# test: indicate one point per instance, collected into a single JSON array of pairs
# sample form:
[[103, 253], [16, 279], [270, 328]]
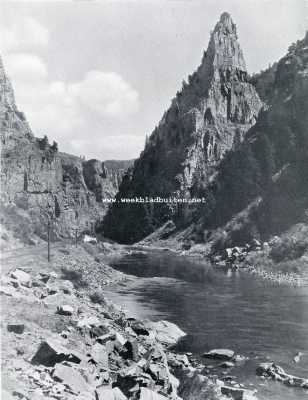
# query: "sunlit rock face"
[[35, 176], [208, 117]]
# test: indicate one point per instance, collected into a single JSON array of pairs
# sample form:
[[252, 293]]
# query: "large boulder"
[[220, 354], [274, 371], [139, 328], [166, 332], [22, 277], [71, 378], [236, 393], [51, 352]]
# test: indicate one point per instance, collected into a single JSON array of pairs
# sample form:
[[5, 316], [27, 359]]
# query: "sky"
[[97, 76]]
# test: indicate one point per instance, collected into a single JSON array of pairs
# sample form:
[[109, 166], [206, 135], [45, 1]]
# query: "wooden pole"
[[48, 240]]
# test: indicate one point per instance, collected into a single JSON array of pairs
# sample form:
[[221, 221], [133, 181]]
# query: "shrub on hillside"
[[288, 249]]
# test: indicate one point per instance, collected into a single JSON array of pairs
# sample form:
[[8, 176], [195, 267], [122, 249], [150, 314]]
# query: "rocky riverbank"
[[281, 259], [61, 339]]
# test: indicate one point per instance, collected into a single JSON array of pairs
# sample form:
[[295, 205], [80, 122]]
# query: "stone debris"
[[99, 354], [274, 371]]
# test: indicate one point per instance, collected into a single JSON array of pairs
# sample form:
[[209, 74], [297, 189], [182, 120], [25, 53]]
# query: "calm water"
[[218, 309]]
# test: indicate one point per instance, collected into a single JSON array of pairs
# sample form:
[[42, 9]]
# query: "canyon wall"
[[38, 182], [207, 118]]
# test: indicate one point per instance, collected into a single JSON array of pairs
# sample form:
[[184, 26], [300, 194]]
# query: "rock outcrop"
[[97, 352], [36, 179], [208, 117]]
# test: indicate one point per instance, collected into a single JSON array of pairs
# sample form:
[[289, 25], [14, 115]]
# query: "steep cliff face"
[[261, 188], [36, 179], [208, 117]]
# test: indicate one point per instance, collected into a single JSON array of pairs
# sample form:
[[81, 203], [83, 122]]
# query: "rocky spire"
[[207, 118], [6, 90], [224, 51]]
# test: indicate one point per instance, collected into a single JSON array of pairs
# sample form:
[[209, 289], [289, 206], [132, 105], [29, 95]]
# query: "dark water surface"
[[221, 309]]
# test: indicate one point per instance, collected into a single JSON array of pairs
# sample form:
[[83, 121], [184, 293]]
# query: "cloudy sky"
[[96, 76]]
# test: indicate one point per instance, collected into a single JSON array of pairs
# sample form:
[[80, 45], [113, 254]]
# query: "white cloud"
[[26, 67], [69, 111], [23, 34], [106, 93]]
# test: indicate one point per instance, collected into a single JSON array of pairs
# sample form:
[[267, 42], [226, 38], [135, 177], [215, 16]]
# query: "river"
[[221, 309]]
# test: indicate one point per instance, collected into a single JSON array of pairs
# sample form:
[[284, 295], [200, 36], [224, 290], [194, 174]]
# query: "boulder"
[[16, 328], [100, 355], [44, 277], [166, 332], [234, 393], [139, 328], [22, 277], [109, 393], [147, 394], [277, 373], [71, 378], [178, 360], [97, 331], [51, 352], [55, 300], [228, 253], [65, 309], [220, 354], [130, 350], [119, 341], [105, 338]]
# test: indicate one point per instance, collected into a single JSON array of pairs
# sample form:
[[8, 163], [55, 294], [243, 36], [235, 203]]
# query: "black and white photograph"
[[154, 199]]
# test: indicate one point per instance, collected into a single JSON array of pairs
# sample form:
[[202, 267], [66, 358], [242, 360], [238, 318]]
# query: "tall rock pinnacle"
[[6, 90], [209, 116], [224, 46]]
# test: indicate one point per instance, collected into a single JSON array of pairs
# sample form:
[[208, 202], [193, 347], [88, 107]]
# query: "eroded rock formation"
[[208, 117], [36, 179]]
